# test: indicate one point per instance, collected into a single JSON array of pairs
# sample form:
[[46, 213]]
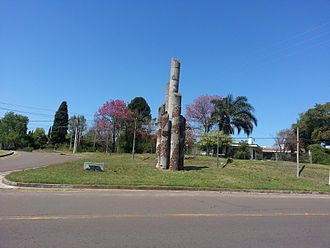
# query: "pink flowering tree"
[[111, 118], [200, 112]]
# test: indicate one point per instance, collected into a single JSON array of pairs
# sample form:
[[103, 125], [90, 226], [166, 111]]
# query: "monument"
[[171, 125]]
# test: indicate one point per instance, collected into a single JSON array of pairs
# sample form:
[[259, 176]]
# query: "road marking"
[[73, 217]]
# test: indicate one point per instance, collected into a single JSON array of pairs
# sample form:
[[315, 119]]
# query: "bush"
[[320, 155], [241, 155], [27, 149]]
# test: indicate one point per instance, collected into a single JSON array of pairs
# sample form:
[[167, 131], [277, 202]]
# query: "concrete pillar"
[[175, 132], [182, 141], [167, 96], [165, 141], [174, 84], [161, 111], [171, 125]]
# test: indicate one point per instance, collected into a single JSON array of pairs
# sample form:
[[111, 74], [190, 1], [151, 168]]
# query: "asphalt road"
[[26, 160], [162, 219]]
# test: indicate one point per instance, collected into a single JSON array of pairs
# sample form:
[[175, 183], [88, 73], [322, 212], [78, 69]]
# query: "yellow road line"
[[73, 217]]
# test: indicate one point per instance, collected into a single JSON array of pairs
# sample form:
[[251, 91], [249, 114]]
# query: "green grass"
[[199, 171], [2, 152]]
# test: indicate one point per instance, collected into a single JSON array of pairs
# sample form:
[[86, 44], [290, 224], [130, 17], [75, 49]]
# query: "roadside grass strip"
[[200, 171]]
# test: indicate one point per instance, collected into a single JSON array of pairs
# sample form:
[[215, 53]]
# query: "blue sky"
[[277, 53]]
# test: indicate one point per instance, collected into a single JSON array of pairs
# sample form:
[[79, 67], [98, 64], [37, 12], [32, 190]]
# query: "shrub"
[[27, 149], [320, 155]]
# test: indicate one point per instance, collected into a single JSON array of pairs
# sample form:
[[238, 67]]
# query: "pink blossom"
[[200, 111]]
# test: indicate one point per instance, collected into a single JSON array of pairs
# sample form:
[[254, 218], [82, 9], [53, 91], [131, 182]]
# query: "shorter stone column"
[[165, 141]]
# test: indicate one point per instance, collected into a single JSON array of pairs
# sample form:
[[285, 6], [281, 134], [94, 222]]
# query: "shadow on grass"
[[189, 168]]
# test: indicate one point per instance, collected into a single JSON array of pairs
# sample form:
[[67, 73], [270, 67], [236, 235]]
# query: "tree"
[[314, 125], [77, 124], [242, 151], [13, 129], [233, 113], [60, 125], [190, 138], [141, 114], [140, 109], [286, 140], [113, 115], [39, 138], [209, 141], [320, 155], [200, 112]]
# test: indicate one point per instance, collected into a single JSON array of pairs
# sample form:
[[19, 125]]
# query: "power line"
[[293, 37], [25, 112], [23, 106], [30, 107]]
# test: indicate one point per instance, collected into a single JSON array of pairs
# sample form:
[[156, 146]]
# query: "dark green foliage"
[[320, 155], [13, 130], [231, 113], [39, 138], [314, 125], [242, 152], [140, 108], [144, 142], [141, 117], [60, 125]]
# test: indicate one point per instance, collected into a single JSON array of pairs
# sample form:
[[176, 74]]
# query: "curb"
[[168, 188], [7, 154]]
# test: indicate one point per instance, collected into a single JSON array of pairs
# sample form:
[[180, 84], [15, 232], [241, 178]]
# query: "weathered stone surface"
[[171, 125], [161, 112]]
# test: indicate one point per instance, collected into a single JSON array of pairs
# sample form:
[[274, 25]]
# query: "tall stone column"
[[171, 125], [174, 85]]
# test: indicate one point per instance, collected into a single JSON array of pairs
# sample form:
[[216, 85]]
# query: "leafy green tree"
[[13, 129], [141, 116], [314, 125], [234, 113], [60, 125], [209, 141], [77, 123], [242, 151], [140, 109], [39, 138], [320, 155]]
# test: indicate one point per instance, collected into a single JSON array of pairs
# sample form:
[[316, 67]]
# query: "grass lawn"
[[200, 171], [2, 152]]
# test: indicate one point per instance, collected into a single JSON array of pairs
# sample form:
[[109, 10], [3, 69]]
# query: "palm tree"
[[233, 113]]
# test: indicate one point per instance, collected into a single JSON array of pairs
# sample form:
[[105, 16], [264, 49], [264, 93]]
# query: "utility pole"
[[297, 151], [218, 133], [134, 137], [75, 140]]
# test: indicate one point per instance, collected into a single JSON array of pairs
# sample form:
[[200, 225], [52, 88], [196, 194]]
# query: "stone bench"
[[93, 166]]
